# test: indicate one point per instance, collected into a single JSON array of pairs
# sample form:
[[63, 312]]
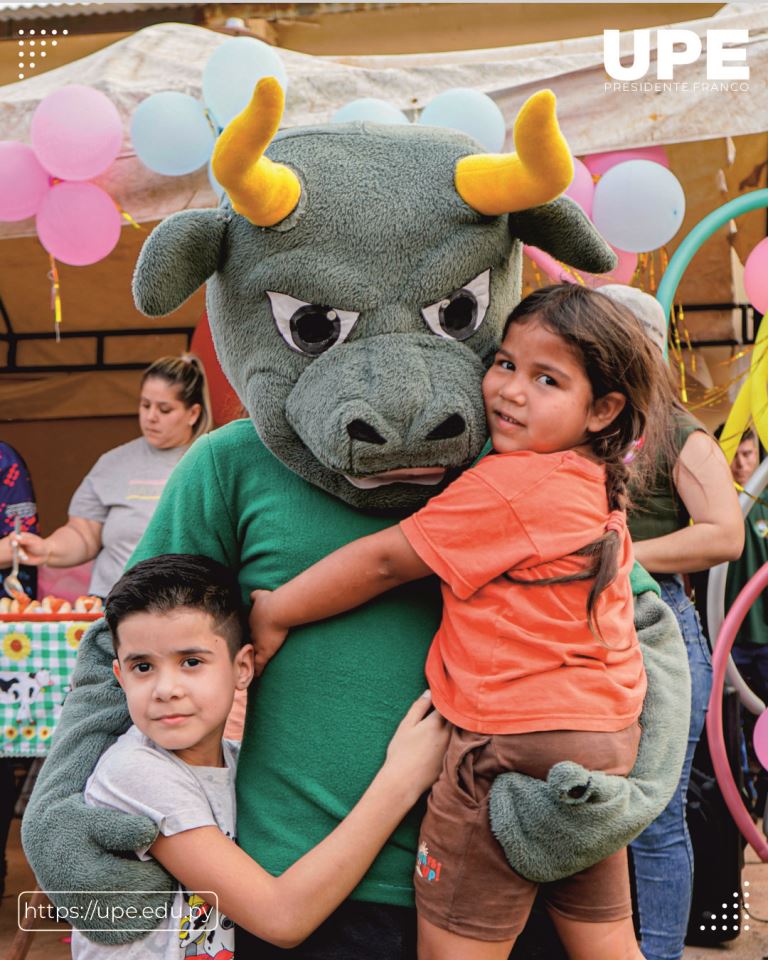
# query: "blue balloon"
[[471, 112], [232, 72], [171, 133], [369, 109]]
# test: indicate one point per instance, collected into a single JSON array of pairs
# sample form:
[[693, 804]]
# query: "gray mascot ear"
[[177, 258], [562, 229]]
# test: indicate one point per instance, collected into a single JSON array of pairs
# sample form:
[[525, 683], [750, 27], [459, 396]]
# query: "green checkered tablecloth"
[[36, 661]]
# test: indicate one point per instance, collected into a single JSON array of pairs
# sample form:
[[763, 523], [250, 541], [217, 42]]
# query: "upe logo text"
[[676, 47]]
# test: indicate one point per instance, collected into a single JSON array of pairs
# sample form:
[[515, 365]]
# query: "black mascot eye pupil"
[[315, 328], [458, 315]]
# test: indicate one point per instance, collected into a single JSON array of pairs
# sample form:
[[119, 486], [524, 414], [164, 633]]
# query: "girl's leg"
[[438, 944], [614, 940], [662, 854]]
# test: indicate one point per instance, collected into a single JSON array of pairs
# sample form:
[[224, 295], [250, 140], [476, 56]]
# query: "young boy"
[[178, 628]]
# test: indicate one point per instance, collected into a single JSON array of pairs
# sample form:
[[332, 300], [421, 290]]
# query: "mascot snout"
[[390, 409]]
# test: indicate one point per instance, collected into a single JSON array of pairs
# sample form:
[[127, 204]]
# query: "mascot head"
[[358, 281]]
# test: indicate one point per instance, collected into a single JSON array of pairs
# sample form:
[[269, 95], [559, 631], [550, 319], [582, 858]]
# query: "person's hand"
[[415, 752], [267, 636], [33, 550]]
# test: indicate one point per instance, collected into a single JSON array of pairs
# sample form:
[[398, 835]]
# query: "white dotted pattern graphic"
[[726, 916], [34, 44]]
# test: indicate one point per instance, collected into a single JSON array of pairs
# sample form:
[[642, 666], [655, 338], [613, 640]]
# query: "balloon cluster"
[[635, 202], [76, 135], [461, 108], [174, 133]]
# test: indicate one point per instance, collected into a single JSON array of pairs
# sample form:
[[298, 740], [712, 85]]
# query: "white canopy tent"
[[172, 56]]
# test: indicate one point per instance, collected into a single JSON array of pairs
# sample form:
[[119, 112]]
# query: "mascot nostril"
[[452, 426], [360, 430]]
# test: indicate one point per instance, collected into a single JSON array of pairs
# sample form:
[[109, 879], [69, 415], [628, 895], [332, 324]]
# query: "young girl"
[[536, 659]]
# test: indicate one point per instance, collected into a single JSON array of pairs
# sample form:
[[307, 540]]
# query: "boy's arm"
[[341, 581], [286, 909]]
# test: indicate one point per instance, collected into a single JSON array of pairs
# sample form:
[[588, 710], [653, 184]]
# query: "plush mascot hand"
[[559, 826], [76, 848]]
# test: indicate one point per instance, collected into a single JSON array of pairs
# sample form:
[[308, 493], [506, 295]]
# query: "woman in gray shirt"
[[113, 505]]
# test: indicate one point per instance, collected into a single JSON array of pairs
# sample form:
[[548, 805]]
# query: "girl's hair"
[[617, 356], [187, 375]]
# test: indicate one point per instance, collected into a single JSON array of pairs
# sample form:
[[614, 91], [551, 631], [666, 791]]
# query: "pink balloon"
[[76, 132], [756, 276], [622, 272], [78, 223], [760, 739], [557, 273], [582, 188], [23, 181], [600, 163]]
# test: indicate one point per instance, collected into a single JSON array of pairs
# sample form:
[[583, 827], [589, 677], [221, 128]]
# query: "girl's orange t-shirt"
[[520, 657]]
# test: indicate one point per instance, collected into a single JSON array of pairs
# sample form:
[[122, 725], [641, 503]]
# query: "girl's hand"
[[267, 636], [415, 753], [33, 550]]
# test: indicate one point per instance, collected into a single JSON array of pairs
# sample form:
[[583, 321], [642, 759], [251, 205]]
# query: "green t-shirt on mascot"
[[357, 285]]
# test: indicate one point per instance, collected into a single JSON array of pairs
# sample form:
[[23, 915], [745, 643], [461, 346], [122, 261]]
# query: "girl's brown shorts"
[[463, 881]]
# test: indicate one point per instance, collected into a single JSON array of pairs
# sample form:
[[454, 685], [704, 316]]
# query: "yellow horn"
[[539, 170], [262, 191]]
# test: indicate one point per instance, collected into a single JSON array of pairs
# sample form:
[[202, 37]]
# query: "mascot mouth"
[[421, 476]]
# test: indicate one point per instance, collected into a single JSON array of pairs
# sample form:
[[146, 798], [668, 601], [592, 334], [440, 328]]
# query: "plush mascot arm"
[[562, 229], [554, 828], [77, 848]]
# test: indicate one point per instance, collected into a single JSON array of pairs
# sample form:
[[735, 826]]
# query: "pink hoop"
[[725, 639]]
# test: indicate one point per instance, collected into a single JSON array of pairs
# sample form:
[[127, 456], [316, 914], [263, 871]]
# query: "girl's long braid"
[[617, 474], [605, 551]]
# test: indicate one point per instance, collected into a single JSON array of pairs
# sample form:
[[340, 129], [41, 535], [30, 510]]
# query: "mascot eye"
[[461, 312], [310, 328]]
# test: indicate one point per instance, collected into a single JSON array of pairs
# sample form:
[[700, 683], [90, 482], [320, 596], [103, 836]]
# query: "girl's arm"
[[284, 910], [341, 581], [704, 482]]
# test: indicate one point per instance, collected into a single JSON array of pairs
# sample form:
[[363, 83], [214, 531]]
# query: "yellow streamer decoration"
[[53, 276], [127, 216]]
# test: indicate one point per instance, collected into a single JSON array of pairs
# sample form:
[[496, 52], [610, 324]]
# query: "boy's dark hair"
[[617, 356], [177, 581]]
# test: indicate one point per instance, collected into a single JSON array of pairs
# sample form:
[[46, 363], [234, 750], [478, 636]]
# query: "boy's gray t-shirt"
[[137, 776], [121, 492]]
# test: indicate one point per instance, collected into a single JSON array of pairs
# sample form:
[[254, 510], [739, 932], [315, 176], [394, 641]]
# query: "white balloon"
[[232, 72], [469, 111], [638, 206], [369, 109], [171, 133]]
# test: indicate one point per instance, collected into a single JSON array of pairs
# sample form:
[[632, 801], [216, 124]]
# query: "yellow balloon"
[[759, 384], [737, 421]]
